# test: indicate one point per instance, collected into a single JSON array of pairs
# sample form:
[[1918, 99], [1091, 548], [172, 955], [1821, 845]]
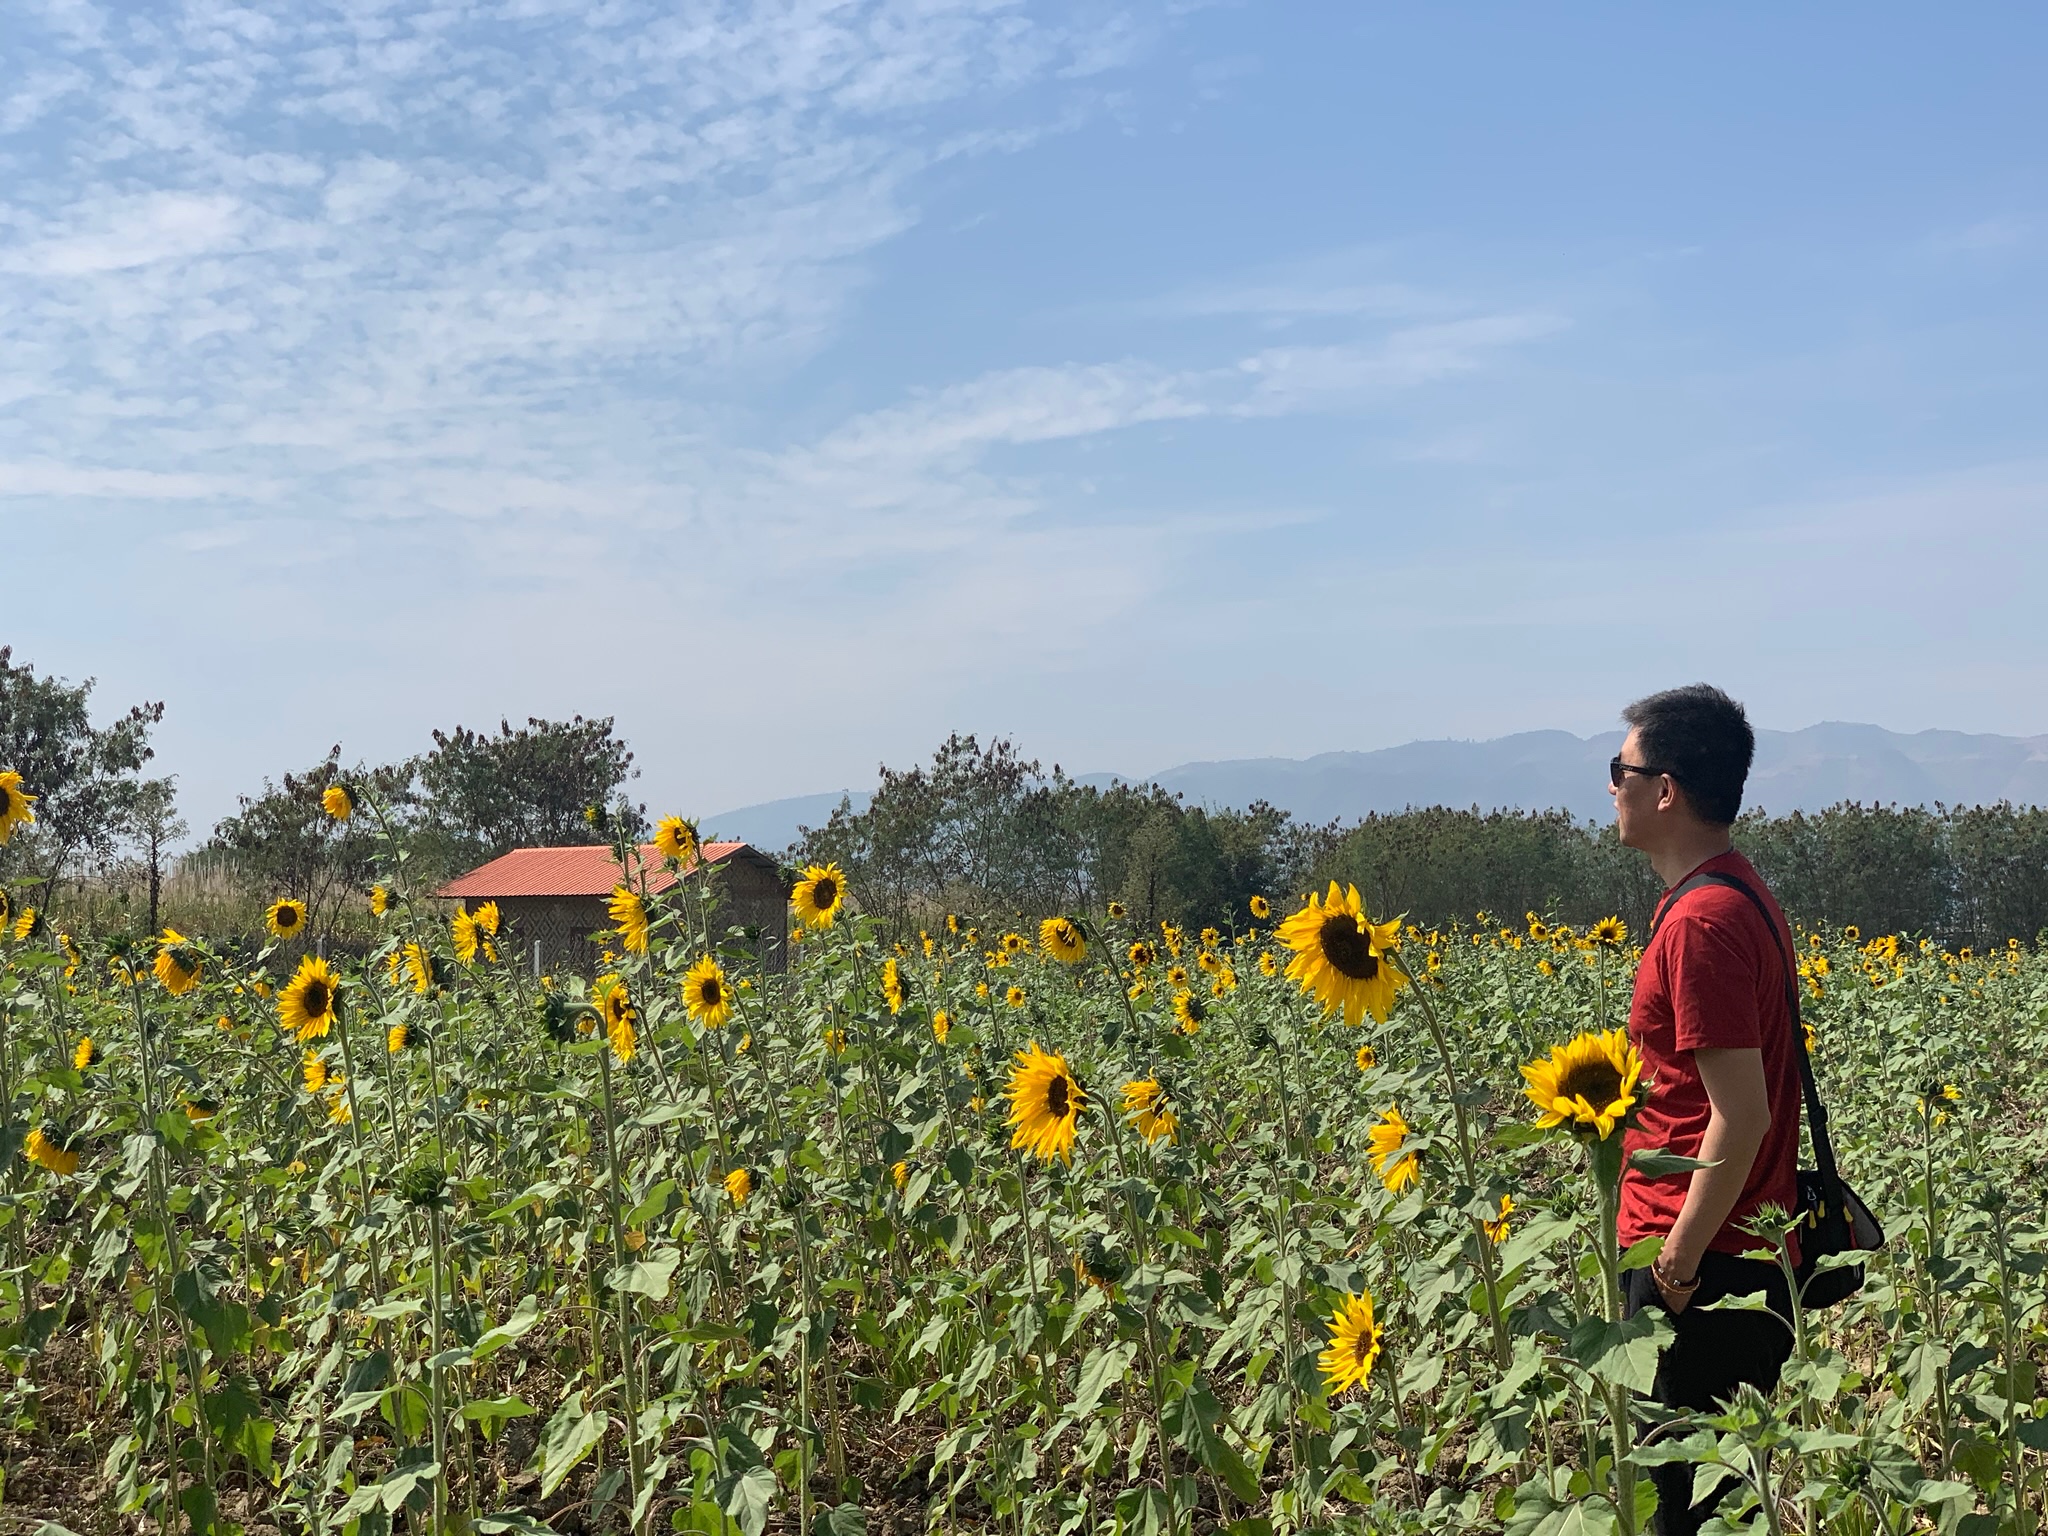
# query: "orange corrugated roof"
[[585, 870]]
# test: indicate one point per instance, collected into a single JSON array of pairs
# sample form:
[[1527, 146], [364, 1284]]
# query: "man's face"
[[1635, 798]]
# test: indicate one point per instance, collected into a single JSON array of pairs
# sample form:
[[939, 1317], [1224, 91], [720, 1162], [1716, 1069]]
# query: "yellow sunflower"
[[46, 1147], [1261, 908], [1188, 1013], [1354, 1345], [417, 964], [1045, 1104], [463, 931], [1118, 912], [1146, 1107], [1589, 1084], [1269, 963], [397, 1038], [1497, 1229], [892, 984], [87, 1054], [739, 1184], [677, 839], [819, 895], [286, 917], [1340, 955], [315, 1073], [706, 993], [899, 1175], [1061, 937], [1142, 953], [1366, 1059], [942, 1025], [25, 925], [309, 1002], [1177, 976], [14, 805], [621, 1021], [1014, 997], [488, 919], [1383, 1141], [6, 911], [336, 802], [338, 1112], [629, 917], [381, 901], [177, 963], [200, 1109], [1610, 931]]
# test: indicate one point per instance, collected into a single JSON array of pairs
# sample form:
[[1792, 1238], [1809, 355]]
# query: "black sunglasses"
[[1617, 770]]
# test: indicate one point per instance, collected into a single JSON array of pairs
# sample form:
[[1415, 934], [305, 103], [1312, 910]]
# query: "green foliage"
[[485, 794]]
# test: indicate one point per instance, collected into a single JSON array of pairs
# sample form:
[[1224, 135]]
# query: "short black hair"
[[1701, 737]]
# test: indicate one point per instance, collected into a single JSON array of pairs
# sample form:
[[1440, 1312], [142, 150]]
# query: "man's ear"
[[1668, 795]]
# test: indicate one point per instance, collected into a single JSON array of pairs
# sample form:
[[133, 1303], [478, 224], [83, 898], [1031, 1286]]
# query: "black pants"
[[1713, 1353]]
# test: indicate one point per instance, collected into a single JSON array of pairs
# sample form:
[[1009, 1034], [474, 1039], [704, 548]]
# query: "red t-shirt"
[[1712, 978]]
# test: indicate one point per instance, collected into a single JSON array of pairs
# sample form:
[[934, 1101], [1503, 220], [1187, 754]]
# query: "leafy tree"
[[86, 778], [483, 795]]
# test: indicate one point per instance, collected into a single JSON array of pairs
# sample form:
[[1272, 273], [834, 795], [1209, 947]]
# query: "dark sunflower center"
[[1361, 1347], [287, 918], [1347, 949], [1057, 1102], [1596, 1082], [316, 998], [825, 892], [712, 992]]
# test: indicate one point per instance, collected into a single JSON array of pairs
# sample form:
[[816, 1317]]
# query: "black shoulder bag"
[[1832, 1218]]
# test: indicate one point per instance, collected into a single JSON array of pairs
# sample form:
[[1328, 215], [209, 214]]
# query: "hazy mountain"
[[1795, 771]]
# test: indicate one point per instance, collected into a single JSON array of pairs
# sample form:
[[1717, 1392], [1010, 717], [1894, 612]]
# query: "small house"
[[555, 898]]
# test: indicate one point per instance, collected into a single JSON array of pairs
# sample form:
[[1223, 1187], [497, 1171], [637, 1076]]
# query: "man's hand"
[[1676, 1300]]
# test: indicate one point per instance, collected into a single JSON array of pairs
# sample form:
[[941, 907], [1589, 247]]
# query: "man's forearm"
[[1713, 1193]]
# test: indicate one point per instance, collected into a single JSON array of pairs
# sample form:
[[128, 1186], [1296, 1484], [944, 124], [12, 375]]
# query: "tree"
[[485, 795], [155, 824], [85, 778]]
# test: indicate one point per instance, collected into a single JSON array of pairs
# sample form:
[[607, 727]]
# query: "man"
[[1715, 1030]]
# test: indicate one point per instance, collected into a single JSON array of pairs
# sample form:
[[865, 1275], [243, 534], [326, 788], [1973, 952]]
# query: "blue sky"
[[798, 382]]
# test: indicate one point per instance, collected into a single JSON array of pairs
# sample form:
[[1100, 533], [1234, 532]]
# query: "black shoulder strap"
[[1816, 1112]]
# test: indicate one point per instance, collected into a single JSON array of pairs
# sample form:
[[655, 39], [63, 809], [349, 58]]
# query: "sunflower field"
[[1068, 1225]]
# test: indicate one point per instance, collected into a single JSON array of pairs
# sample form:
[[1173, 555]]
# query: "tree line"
[[977, 830], [980, 829]]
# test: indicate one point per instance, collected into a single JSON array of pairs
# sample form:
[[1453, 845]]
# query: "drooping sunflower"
[[308, 1004], [1061, 937], [1142, 953], [621, 1021], [1045, 1104], [706, 993], [201, 1108], [313, 1069], [629, 917], [676, 837], [381, 901], [1340, 955], [177, 963], [48, 1147], [899, 1174], [1261, 908], [892, 984], [1172, 937], [1146, 1107], [286, 918], [942, 1025], [1208, 962], [1354, 1345], [488, 918], [818, 895], [1383, 1141], [1589, 1084], [739, 1184], [1610, 931], [15, 805], [1099, 1265], [88, 1054], [418, 966], [6, 912], [1225, 982], [337, 802], [397, 1038], [338, 1112], [26, 925]]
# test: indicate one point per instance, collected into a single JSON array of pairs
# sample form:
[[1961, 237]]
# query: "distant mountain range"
[[1538, 770]]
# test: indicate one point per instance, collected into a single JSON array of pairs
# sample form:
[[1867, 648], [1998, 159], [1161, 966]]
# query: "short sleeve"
[[1712, 972]]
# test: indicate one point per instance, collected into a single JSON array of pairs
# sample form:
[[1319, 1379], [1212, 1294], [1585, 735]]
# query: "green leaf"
[[1642, 1254], [384, 1311], [1102, 1369], [1623, 1353], [746, 1495], [1191, 1420], [523, 1317], [1660, 1162], [571, 1435], [841, 1520], [225, 1323], [649, 1277], [509, 1524]]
